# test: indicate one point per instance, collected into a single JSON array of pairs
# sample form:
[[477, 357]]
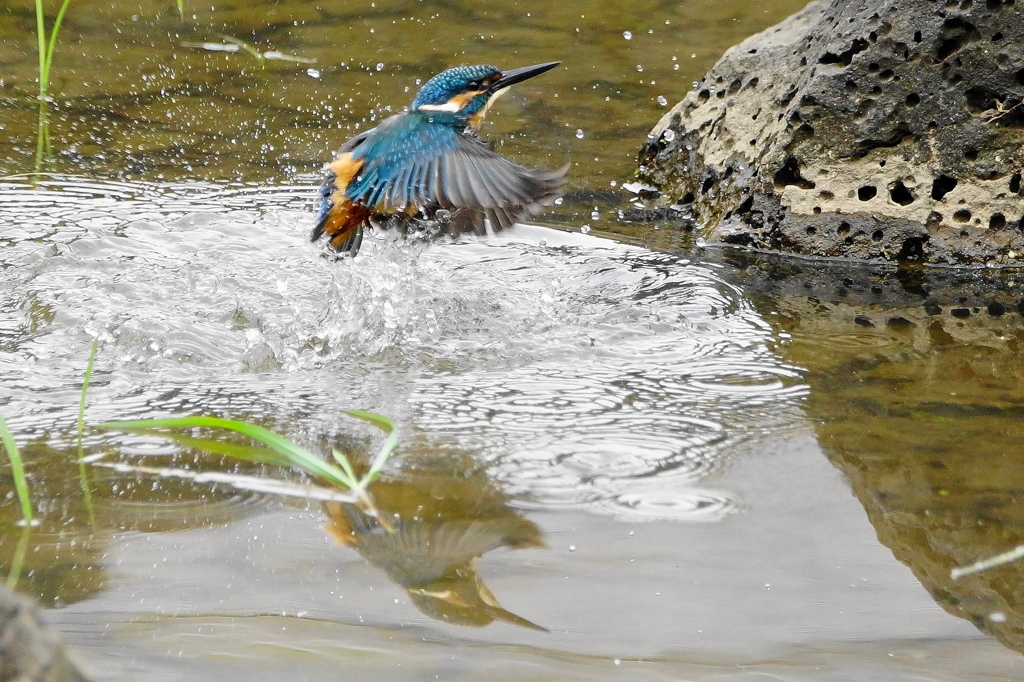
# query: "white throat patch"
[[491, 100], [450, 107]]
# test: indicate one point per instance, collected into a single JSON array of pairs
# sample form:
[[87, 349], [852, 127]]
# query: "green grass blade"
[[281, 452], [41, 38], [386, 425], [181, 10], [53, 38], [265, 436], [83, 475], [341, 459], [297, 456], [257, 484], [18, 469], [247, 453]]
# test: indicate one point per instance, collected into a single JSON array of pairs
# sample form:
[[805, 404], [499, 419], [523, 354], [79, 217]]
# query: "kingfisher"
[[428, 166]]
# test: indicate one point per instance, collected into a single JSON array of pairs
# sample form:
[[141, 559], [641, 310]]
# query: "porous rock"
[[876, 130]]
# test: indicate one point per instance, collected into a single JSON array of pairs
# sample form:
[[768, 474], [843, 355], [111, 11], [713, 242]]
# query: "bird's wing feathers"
[[413, 163], [407, 164], [473, 175]]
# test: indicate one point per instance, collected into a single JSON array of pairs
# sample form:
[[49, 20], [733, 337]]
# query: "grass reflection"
[[18, 471], [18, 560], [83, 475]]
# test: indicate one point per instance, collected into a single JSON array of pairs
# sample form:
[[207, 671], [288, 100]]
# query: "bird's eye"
[[476, 85]]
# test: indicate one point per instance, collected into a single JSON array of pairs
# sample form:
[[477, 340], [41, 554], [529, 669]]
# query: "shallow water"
[[645, 449]]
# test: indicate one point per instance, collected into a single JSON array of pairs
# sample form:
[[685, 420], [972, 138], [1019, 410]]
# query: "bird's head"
[[465, 92]]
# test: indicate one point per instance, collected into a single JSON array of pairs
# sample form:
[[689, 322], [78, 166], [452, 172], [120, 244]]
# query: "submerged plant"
[[1001, 559], [232, 44]]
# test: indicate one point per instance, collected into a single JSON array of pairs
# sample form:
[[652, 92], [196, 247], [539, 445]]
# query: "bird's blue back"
[[399, 150]]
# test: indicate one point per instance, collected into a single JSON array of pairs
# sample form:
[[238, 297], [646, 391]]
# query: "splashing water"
[[582, 372]]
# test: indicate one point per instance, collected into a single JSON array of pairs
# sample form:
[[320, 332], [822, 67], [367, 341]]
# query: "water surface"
[[619, 458]]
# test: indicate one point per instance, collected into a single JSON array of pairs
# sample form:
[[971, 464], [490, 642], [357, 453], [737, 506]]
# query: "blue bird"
[[427, 166]]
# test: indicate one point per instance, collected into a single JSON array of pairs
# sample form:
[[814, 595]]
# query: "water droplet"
[[618, 661], [558, 201], [675, 67], [579, 134], [572, 548], [661, 100], [542, 242], [628, 35], [668, 135], [613, 183], [639, 67], [585, 229], [700, 242], [380, 66], [595, 215]]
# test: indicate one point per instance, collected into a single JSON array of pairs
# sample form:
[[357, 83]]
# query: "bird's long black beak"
[[519, 75]]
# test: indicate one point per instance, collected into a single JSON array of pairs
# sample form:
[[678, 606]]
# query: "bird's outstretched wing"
[[408, 166]]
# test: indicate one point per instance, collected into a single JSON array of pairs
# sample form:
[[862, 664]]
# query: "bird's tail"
[[340, 219]]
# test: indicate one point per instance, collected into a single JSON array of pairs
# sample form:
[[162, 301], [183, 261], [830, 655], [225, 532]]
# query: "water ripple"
[[584, 372]]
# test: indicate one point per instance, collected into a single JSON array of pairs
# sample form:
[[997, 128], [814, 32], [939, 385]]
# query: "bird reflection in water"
[[438, 528]]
